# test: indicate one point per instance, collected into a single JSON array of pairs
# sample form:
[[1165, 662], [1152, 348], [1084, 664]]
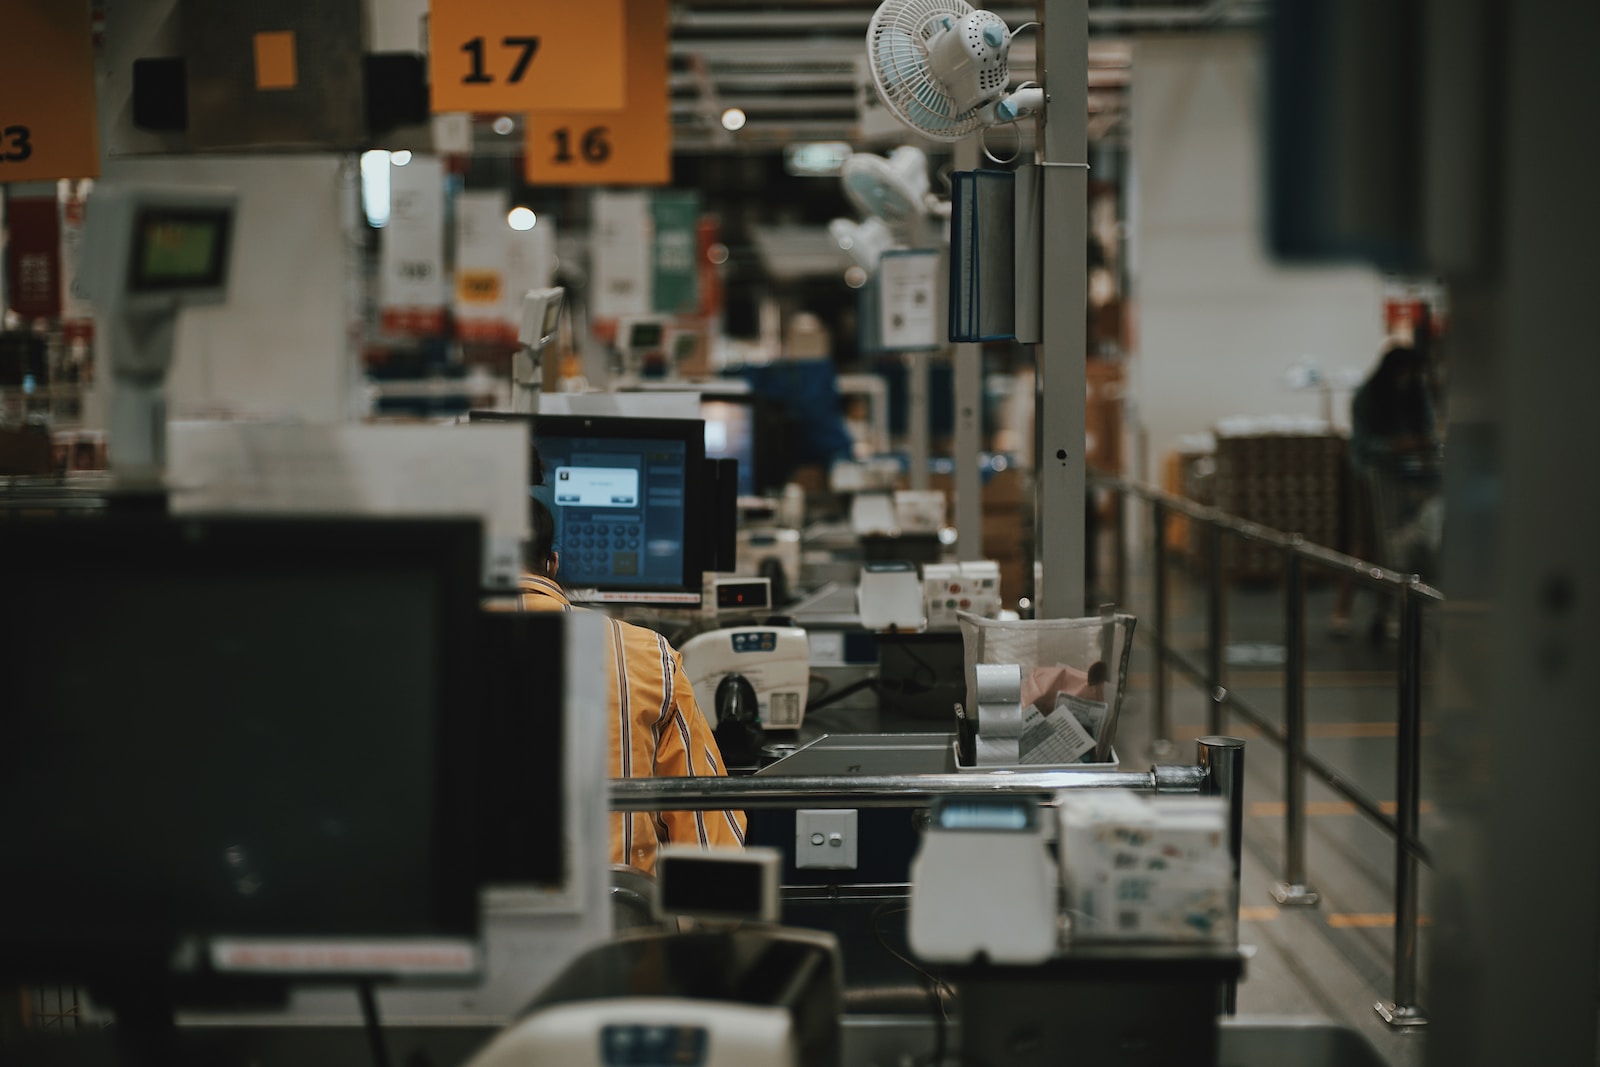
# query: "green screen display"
[[176, 250], [179, 249]]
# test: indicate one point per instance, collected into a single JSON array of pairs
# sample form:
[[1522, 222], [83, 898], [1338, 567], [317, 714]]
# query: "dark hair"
[[539, 550]]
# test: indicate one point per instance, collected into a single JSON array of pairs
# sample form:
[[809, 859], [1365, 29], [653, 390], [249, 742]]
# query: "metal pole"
[[969, 416], [1161, 747], [1293, 889], [917, 415], [1063, 68], [1403, 1011], [879, 791], [1120, 549], [1223, 760], [1216, 630]]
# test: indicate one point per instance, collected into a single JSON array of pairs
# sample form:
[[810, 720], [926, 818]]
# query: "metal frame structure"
[[1402, 1010]]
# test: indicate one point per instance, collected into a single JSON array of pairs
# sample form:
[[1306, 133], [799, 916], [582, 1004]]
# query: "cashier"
[[657, 728]]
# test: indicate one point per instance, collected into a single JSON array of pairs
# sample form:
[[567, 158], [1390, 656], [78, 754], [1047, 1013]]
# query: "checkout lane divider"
[[1212, 677]]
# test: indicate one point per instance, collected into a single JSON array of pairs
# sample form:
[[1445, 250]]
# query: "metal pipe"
[[874, 791], [1403, 1010], [1293, 889], [1161, 745], [1223, 760], [1060, 370], [1119, 551], [1216, 633], [1368, 573]]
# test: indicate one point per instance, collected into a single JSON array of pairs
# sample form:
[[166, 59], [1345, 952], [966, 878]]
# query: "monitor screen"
[[234, 728], [645, 335], [626, 495], [730, 434], [179, 248]]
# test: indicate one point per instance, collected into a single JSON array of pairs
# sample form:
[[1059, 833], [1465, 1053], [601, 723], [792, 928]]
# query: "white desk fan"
[[941, 67]]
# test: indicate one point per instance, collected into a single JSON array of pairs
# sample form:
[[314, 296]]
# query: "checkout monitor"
[[731, 434], [237, 732], [629, 500]]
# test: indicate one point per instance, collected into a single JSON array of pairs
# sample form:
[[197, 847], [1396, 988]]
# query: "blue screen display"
[[620, 510]]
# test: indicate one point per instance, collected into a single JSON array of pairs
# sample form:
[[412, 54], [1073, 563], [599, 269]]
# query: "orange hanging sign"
[[48, 125], [598, 147], [513, 56]]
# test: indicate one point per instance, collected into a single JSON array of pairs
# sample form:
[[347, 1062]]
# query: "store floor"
[[1333, 960]]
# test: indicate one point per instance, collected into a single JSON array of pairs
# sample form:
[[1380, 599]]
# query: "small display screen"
[[972, 815], [731, 888], [632, 1045], [743, 595], [644, 335], [179, 249], [552, 317]]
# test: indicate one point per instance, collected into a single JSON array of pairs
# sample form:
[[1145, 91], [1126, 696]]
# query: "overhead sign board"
[[593, 146], [48, 127], [514, 56]]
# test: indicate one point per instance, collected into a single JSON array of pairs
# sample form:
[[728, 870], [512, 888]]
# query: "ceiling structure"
[[796, 70]]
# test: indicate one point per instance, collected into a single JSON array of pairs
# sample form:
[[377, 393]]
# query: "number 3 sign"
[[593, 146], [513, 55], [48, 127]]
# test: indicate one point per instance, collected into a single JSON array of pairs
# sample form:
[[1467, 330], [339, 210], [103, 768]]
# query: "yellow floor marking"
[[1277, 808], [1264, 914], [1369, 920]]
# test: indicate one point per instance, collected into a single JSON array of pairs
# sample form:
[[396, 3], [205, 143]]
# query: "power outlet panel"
[[825, 839]]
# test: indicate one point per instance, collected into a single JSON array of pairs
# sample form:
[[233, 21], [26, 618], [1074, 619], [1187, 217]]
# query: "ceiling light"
[[733, 119], [400, 158], [521, 218], [855, 277], [504, 125]]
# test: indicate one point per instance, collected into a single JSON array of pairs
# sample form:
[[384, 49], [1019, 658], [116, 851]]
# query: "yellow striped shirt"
[[657, 730]]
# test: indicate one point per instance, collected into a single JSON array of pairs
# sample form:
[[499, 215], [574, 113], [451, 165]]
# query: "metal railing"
[[1403, 1010]]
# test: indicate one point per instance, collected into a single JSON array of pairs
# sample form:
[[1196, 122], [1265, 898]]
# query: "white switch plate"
[[825, 839]]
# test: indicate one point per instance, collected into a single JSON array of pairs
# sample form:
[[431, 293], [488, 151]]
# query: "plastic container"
[[1096, 648]]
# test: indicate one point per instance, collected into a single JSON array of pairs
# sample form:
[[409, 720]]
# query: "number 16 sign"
[[516, 55], [593, 146]]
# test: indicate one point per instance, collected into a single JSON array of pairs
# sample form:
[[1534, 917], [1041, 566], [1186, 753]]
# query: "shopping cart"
[[1408, 511]]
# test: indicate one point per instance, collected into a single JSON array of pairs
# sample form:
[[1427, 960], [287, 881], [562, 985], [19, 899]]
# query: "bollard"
[[1223, 760], [1293, 889]]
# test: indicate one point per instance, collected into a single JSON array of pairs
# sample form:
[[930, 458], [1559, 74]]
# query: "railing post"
[[1120, 551], [1161, 746], [1223, 760], [1216, 627], [1403, 1010], [1293, 889]]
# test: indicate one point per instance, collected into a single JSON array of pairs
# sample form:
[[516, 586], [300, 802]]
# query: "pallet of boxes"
[[1281, 472]]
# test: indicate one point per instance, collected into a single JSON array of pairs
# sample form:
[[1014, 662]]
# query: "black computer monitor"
[[232, 746], [731, 434], [630, 501]]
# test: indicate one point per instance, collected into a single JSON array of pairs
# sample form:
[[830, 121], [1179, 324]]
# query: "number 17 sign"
[[593, 146], [516, 55]]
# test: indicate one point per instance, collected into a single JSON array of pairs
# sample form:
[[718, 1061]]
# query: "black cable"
[[937, 988], [839, 694], [369, 1012]]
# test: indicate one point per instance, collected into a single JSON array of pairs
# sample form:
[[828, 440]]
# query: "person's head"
[[539, 552], [1401, 365]]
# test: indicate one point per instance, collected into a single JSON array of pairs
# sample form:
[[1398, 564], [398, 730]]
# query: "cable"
[[369, 1012], [839, 694], [937, 988]]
